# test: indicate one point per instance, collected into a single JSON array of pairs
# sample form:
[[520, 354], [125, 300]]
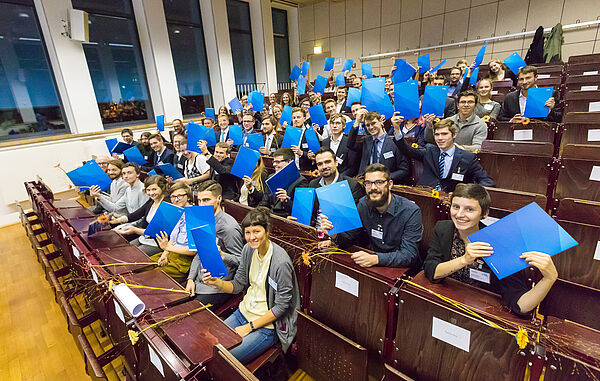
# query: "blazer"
[[346, 158], [510, 107], [284, 209], [276, 143], [221, 173], [154, 159], [465, 167], [390, 155], [179, 164]]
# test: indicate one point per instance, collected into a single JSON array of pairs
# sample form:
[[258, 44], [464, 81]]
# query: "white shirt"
[[522, 102], [269, 140], [159, 154], [335, 144]]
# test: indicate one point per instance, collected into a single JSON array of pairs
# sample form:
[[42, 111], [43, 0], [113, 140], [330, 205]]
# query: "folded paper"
[[210, 113], [196, 216], [474, 75], [438, 67], [256, 99], [255, 141], [374, 97], [236, 134], [301, 86], [340, 80], [305, 67], [286, 115], [311, 140], [404, 71], [536, 98], [480, 54], [88, 175]]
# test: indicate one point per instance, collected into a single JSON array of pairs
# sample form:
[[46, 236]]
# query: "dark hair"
[[146, 134], [455, 68], [286, 152], [446, 123], [181, 135], [439, 77], [127, 131], [468, 93], [204, 119], [156, 136], [355, 103], [158, 180], [372, 115], [184, 186], [378, 167], [473, 191], [527, 70], [135, 166], [210, 186], [272, 119], [117, 163], [257, 217], [325, 150]]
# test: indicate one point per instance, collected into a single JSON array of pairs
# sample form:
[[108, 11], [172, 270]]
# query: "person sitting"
[[391, 224], [281, 202], [305, 158], [340, 103], [208, 122], [456, 82], [127, 136], [118, 187], [271, 138], [452, 254], [144, 145], [253, 192], [513, 106], [338, 143], [179, 143], [222, 133], [156, 188], [220, 164], [176, 257], [230, 244], [195, 168], [102, 161], [178, 127], [268, 310], [444, 164], [485, 105], [450, 106], [499, 72], [160, 155], [132, 199], [378, 147], [248, 124], [413, 129]]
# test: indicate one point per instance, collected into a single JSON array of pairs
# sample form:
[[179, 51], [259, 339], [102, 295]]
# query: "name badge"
[[488, 106], [458, 176], [145, 157], [273, 149], [387, 155], [339, 160], [376, 234], [179, 165], [272, 283], [305, 145], [479, 275]]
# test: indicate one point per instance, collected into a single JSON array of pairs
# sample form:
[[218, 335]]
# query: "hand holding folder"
[[255, 141], [284, 178], [295, 73], [88, 175], [286, 115], [164, 220], [404, 71], [406, 99], [434, 100], [196, 216], [169, 171], [536, 99], [235, 105], [209, 253], [329, 61], [236, 134], [320, 84], [291, 137]]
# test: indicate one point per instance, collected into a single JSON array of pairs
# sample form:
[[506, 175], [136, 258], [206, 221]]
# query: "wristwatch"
[[252, 326]]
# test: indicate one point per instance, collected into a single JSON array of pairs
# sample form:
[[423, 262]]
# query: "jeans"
[[253, 344]]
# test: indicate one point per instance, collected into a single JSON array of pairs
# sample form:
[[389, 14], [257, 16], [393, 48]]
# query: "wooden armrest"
[[91, 359]]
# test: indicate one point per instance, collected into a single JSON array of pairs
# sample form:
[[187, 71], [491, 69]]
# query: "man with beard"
[[117, 187], [392, 225]]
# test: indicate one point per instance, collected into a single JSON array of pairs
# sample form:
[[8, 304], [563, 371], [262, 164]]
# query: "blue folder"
[[311, 140], [256, 99], [286, 115], [424, 63], [121, 147], [353, 96], [347, 64], [110, 144], [302, 208], [152, 173], [295, 73], [403, 71], [164, 220], [348, 126], [406, 99], [536, 97], [329, 61], [210, 137], [160, 122], [196, 216], [170, 171], [236, 134], [255, 141], [209, 113], [245, 162], [337, 203], [374, 97], [284, 178], [340, 80], [474, 75], [209, 255], [235, 105], [367, 70], [528, 229], [480, 54], [320, 84], [134, 155], [438, 67], [434, 100], [88, 175], [301, 85], [317, 115], [189, 124], [291, 137], [305, 67], [514, 62], [195, 134]]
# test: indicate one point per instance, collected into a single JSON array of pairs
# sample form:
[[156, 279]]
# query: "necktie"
[[442, 163], [222, 136], [375, 153]]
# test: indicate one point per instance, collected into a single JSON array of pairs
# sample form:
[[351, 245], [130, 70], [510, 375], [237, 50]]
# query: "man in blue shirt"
[[392, 225]]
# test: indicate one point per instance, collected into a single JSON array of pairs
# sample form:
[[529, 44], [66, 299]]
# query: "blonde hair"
[[257, 175]]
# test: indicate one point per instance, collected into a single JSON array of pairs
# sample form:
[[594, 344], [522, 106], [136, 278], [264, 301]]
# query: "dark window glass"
[[189, 54], [29, 102], [282, 46], [115, 62], [240, 34], [114, 7]]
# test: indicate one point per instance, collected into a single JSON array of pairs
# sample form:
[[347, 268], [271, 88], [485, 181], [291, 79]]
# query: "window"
[[282, 46], [186, 36], [240, 34], [115, 62], [29, 102]]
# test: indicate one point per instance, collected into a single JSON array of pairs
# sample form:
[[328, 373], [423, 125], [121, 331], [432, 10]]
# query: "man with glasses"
[[247, 127], [392, 225]]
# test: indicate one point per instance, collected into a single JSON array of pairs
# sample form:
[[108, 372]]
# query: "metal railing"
[[242, 89], [284, 86]]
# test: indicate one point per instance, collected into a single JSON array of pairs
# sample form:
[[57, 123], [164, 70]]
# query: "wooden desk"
[[122, 254]]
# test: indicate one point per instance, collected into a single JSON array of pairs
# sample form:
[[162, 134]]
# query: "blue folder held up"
[[349, 125], [245, 162], [474, 75], [210, 137], [528, 229], [134, 155], [121, 147], [367, 70], [256, 99], [336, 202], [88, 175], [374, 97], [210, 113], [209, 254], [291, 137], [110, 144], [164, 220], [404, 71], [347, 64], [424, 63], [329, 61], [286, 115], [152, 172], [196, 216], [284, 178], [169, 170], [434, 100], [438, 67], [480, 54], [236, 134], [255, 141], [354, 95], [195, 134], [320, 84], [340, 80], [536, 98], [305, 67], [317, 115], [311, 140], [160, 122], [406, 99], [514, 62], [301, 85], [235, 105], [302, 208], [295, 73]]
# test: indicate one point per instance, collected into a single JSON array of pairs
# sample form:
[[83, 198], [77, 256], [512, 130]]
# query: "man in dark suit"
[[220, 169], [513, 106], [222, 132], [281, 202], [338, 143], [179, 143], [444, 164], [160, 155], [377, 147], [305, 159], [329, 174], [272, 140], [340, 104]]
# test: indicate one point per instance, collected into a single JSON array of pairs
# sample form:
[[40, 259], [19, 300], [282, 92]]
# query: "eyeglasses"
[[466, 102], [178, 196], [378, 183]]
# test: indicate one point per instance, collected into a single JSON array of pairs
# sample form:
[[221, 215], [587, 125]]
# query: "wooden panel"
[[505, 201], [570, 301], [582, 117], [69, 213], [155, 299], [579, 101], [102, 240], [522, 173], [574, 180], [577, 264], [580, 68], [521, 148], [583, 58], [555, 70], [582, 211], [122, 254], [542, 132], [325, 354], [391, 374], [577, 133], [65, 204], [581, 151], [81, 225], [225, 367]]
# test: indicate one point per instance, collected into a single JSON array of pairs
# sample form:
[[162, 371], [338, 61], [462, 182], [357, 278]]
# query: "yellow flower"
[[435, 193], [525, 121], [305, 259], [522, 338], [415, 145], [486, 118], [437, 120], [133, 336]]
